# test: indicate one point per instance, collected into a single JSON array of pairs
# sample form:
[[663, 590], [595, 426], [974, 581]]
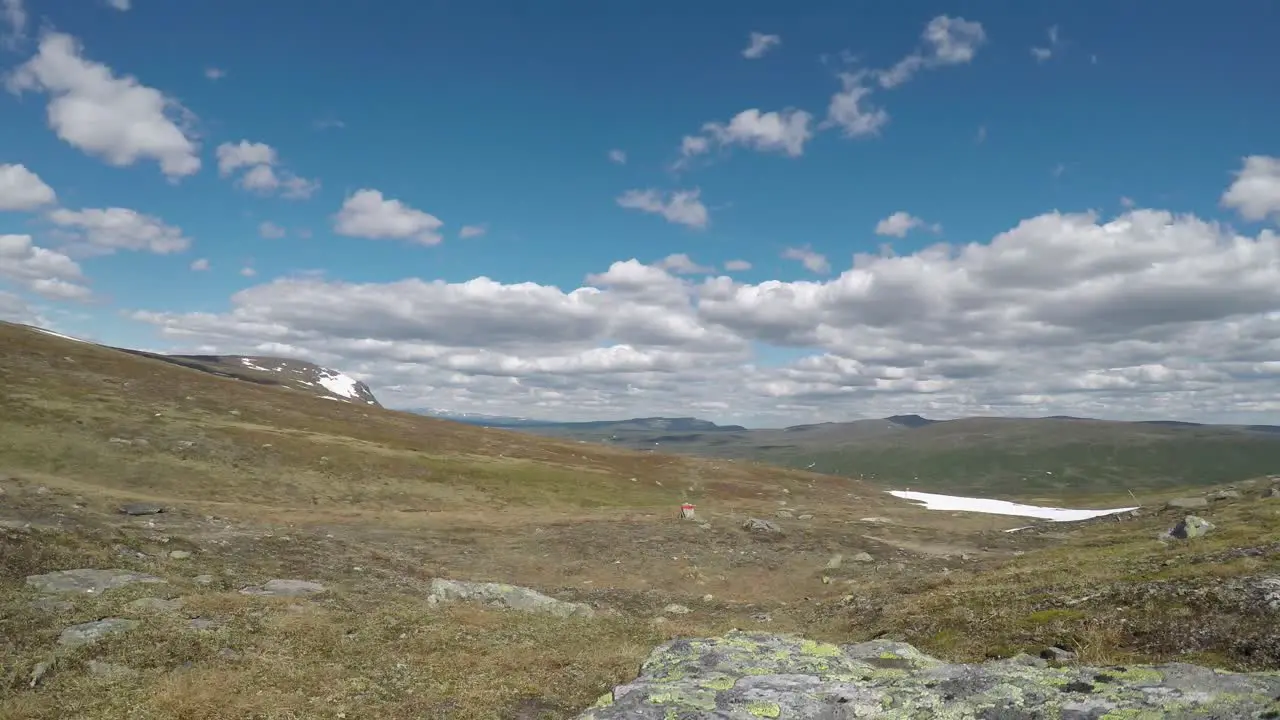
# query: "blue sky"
[[495, 116]]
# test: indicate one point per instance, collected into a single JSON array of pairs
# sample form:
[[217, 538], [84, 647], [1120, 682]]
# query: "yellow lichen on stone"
[[1133, 715], [887, 655], [1137, 675], [738, 641], [604, 700], [719, 683], [809, 647], [763, 709]]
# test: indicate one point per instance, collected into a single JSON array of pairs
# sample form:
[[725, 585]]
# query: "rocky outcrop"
[[503, 595], [746, 676]]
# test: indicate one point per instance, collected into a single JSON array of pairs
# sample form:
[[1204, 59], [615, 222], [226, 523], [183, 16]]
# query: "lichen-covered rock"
[[747, 676], [87, 580], [1192, 526], [502, 594]]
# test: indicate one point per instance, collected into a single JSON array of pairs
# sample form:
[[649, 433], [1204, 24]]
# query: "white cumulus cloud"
[[262, 174], [22, 190], [45, 272], [786, 131], [852, 111], [682, 264], [112, 117], [682, 207], [109, 229], [813, 261], [1147, 313], [367, 214], [900, 223], [1255, 194]]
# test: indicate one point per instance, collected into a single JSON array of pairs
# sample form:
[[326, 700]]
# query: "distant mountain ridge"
[[1054, 457]]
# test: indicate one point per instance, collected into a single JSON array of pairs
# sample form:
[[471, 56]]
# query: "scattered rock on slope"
[[87, 580], [762, 527], [746, 676], [285, 588], [501, 594], [91, 632]]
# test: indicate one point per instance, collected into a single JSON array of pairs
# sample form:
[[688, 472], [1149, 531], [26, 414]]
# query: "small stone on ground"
[[141, 509]]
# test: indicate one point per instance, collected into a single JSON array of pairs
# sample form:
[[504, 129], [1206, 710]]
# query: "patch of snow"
[[249, 364], [58, 334], [1001, 507], [338, 384], [1024, 527]]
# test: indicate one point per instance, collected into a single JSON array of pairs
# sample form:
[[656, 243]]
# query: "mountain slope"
[[287, 373], [63, 401]]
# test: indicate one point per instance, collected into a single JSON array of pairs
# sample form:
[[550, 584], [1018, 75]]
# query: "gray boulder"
[[87, 580], [504, 595], [1188, 503], [748, 676], [1225, 495], [91, 632]]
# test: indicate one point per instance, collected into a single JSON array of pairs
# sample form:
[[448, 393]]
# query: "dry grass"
[[375, 503]]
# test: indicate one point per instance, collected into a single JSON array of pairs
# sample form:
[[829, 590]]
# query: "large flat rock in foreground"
[[754, 675]]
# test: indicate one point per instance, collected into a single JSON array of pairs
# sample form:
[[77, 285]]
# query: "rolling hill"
[[986, 456]]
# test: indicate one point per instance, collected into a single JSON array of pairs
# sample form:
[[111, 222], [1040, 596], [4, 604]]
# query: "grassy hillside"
[[259, 482], [1004, 457]]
